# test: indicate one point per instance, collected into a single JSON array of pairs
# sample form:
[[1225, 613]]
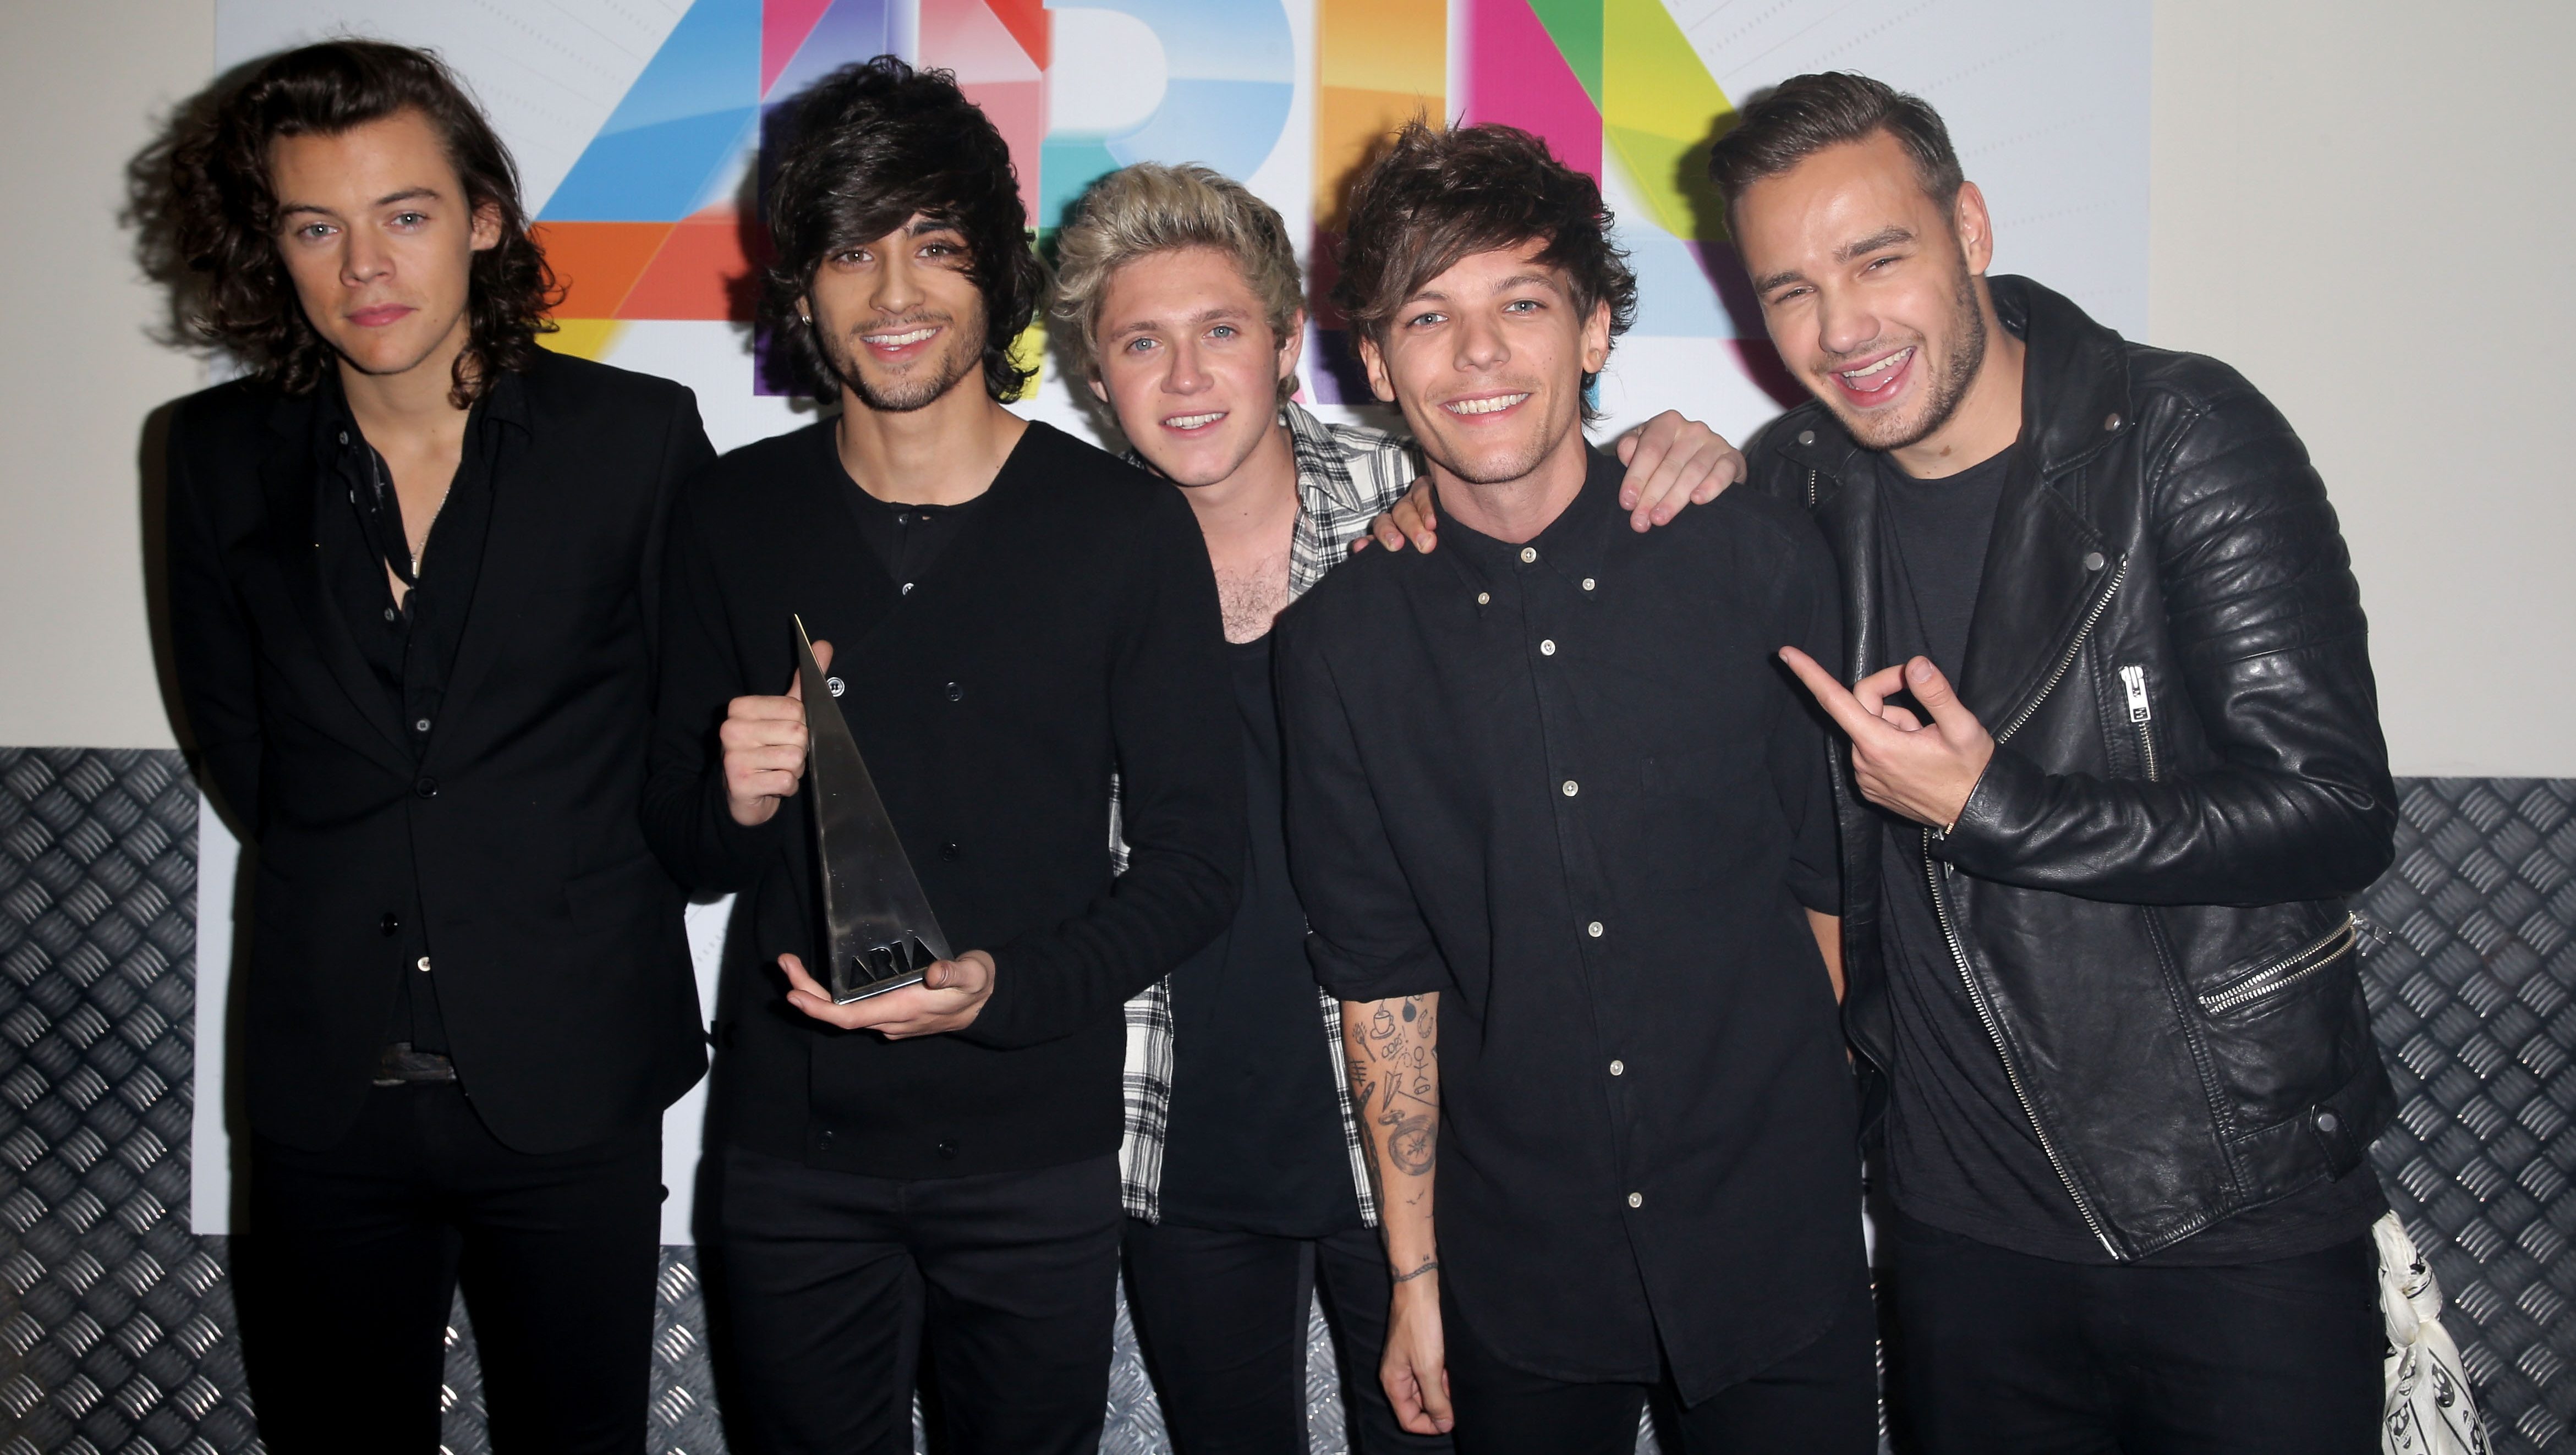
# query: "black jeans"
[[1221, 1317], [1821, 1399], [354, 1257], [1998, 1352], [837, 1285]]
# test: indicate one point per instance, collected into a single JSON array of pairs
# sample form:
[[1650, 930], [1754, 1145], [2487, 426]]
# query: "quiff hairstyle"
[[209, 213], [1434, 197], [1138, 211], [1806, 114], [873, 144]]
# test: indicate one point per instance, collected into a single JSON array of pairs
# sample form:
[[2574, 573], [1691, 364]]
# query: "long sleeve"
[[2266, 621], [1366, 936], [685, 816], [1180, 766], [210, 643]]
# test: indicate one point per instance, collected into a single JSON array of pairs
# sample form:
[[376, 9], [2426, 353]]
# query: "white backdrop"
[[2047, 103]]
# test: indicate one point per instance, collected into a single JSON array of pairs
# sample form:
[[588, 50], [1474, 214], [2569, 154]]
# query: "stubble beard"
[[1958, 372], [916, 389]]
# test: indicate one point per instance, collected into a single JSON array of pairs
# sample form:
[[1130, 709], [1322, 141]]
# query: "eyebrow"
[[1204, 315], [1885, 237], [407, 194]]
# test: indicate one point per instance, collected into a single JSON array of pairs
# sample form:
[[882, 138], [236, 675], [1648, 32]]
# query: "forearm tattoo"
[[1393, 1048]]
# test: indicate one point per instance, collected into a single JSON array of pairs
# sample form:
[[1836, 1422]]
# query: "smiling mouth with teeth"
[[1192, 421], [1876, 376], [1495, 405], [897, 340]]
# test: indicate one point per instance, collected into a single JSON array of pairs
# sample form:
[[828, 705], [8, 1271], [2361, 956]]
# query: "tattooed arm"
[[1393, 1050]]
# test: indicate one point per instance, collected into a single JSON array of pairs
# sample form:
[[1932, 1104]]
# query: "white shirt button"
[[1593, 929], [1618, 1068], [1484, 598], [1636, 1199], [1570, 788], [423, 964], [1547, 648], [1528, 554], [1587, 583]]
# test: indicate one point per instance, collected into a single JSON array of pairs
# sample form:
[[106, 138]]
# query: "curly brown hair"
[[202, 200], [1436, 196]]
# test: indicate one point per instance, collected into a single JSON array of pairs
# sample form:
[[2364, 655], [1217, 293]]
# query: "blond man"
[[1180, 302]]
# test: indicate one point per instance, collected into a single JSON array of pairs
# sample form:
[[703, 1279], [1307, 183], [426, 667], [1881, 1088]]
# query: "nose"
[[898, 289], [1844, 325], [1187, 372], [1479, 343], [363, 257]]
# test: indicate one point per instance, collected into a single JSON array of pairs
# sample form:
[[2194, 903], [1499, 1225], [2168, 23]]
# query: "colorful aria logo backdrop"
[[651, 222]]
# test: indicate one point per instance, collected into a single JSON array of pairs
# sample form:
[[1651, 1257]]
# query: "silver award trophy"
[[881, 931]]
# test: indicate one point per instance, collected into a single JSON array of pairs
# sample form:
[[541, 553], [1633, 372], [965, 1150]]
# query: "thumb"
[[1933, 690]]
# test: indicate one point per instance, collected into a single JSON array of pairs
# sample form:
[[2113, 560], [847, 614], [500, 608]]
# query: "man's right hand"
[[764, 748], [1415, 1370]]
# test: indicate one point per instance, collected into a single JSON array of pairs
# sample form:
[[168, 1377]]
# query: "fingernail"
[[1919, 670]]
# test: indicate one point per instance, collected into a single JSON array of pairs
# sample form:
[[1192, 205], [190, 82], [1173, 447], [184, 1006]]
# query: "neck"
[[944, 453], [1245, 513], [1517, 510], [394, 409], [1988, 418]]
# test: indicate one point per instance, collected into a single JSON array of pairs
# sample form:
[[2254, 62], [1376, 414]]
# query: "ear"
[[1292, 344], [1097, 391], [1975, 228], [1381, 383], [1596, 338], [486, 232]]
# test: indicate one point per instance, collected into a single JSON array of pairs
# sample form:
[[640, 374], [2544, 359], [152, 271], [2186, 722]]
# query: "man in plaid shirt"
[[1180, 301]]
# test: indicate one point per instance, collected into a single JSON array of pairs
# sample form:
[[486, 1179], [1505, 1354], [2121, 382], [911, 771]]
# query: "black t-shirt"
[[1961, 1152], [906, 539], [1255, 1141]]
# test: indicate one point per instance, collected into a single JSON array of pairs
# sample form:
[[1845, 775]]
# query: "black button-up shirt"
[[1567, 785], [411, 646]]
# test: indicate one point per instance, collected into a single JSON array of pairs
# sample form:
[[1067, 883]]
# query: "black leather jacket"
[[2144, 892]]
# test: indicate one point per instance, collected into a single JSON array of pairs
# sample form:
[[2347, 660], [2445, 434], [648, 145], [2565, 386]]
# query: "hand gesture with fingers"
[[1922, 770], [764, 748], [950, 996]]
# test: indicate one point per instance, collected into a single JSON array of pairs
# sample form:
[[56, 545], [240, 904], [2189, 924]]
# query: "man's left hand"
[[1924, 771], [1672, 462], [950, 996]]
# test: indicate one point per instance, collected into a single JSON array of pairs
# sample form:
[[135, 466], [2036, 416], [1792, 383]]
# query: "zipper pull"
[[2133, 682]]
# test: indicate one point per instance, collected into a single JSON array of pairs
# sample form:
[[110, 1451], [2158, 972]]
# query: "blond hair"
[[1150, 208]]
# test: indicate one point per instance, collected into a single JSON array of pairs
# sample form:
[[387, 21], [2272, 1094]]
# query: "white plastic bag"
[[2427, 1409]]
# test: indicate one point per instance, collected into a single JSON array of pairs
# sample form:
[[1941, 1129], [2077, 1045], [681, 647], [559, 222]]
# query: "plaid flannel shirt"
[[1347, 476]]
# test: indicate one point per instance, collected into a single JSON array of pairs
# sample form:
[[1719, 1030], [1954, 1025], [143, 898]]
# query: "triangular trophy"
[[881, 931]]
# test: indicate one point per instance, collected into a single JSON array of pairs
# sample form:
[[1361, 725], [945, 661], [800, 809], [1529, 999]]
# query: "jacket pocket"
[[2277, 975]]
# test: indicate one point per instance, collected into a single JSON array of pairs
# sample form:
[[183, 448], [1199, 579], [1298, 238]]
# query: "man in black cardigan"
[[1018, 617], [414, 570]]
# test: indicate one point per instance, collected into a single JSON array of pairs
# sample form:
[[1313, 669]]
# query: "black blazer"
[[562, 970]]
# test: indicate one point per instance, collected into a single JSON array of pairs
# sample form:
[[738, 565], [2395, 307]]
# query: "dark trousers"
[[355, 1256], [1821, 1399], [1999, 1352], [836, 1286], [1221, 1317]]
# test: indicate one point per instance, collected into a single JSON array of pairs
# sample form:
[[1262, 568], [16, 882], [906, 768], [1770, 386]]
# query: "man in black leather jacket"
[[2100, 967]]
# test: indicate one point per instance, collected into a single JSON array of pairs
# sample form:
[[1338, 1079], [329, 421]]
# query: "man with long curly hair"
[[414, 573], [1018, 618]]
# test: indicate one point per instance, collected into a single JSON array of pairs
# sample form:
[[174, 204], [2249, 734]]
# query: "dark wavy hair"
[[1803, 115], [202, 199], [865, 149], [1434, 196]]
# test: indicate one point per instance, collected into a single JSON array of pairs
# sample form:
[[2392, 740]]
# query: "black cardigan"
[[1069, 632]]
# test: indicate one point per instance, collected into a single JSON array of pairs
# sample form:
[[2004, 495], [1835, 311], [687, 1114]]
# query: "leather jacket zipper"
[[2133, 685], [1811, 489], [1959, 952], [1986, 1015], [2285, 972]]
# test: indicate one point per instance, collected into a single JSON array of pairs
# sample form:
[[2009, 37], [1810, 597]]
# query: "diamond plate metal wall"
[[116, 1323], [2473, 995]]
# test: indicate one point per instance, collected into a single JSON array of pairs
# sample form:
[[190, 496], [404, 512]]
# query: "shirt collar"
[[1573, 545], [1324, 482], [335, 427]]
